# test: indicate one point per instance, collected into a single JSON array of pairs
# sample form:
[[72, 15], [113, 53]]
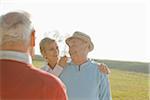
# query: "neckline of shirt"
[[49, 68], [15, 55], [81, 66]]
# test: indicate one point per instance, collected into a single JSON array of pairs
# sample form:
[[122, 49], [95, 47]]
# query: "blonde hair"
[[15, 26], [43, 43]]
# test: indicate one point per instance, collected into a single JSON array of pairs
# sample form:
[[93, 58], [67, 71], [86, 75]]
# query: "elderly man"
[[82, 78], [19, 80]]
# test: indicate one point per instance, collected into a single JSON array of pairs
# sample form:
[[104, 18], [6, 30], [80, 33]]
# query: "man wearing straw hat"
[[81, 76]]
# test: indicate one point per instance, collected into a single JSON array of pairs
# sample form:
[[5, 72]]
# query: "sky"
[[119, 29]]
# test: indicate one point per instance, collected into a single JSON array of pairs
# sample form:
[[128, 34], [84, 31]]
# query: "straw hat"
[[81, 36]]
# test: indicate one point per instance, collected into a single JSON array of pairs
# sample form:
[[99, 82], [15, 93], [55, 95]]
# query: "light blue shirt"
[[85, 82]]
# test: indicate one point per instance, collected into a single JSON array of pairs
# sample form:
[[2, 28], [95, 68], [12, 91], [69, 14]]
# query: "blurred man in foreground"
[[19, 80]]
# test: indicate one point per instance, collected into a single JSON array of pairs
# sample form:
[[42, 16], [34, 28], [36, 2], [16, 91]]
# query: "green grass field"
[[129, 85], [125, 85]]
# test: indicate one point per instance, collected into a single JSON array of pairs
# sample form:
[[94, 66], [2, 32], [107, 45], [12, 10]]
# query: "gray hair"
[[15, 26], [43, 43]]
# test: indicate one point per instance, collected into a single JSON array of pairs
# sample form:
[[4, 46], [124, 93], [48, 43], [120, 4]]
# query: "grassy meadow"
[[125, 84]]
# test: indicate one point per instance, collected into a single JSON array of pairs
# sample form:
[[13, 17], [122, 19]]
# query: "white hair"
[[15, 26]]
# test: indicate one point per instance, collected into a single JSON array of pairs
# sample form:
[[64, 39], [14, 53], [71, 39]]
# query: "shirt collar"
[[84, 64], [47, 68], [14, 55]]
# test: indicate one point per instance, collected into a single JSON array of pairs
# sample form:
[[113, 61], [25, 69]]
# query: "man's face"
[[77, 47], [51, 51]]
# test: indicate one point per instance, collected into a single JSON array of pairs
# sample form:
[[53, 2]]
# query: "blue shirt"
[[85, 82]]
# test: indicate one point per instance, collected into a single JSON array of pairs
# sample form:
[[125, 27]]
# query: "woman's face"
[[51, 52]]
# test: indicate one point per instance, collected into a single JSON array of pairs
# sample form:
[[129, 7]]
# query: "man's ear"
[[32, 44], [33, 38]]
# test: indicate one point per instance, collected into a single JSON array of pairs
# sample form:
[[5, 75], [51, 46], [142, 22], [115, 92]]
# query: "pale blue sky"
[[120, 29]]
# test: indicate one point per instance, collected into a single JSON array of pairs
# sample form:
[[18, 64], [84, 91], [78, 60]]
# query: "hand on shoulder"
[[63, 61], [104, 68]]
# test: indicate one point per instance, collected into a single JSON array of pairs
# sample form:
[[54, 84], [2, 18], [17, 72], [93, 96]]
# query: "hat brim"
[[91, 46]]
